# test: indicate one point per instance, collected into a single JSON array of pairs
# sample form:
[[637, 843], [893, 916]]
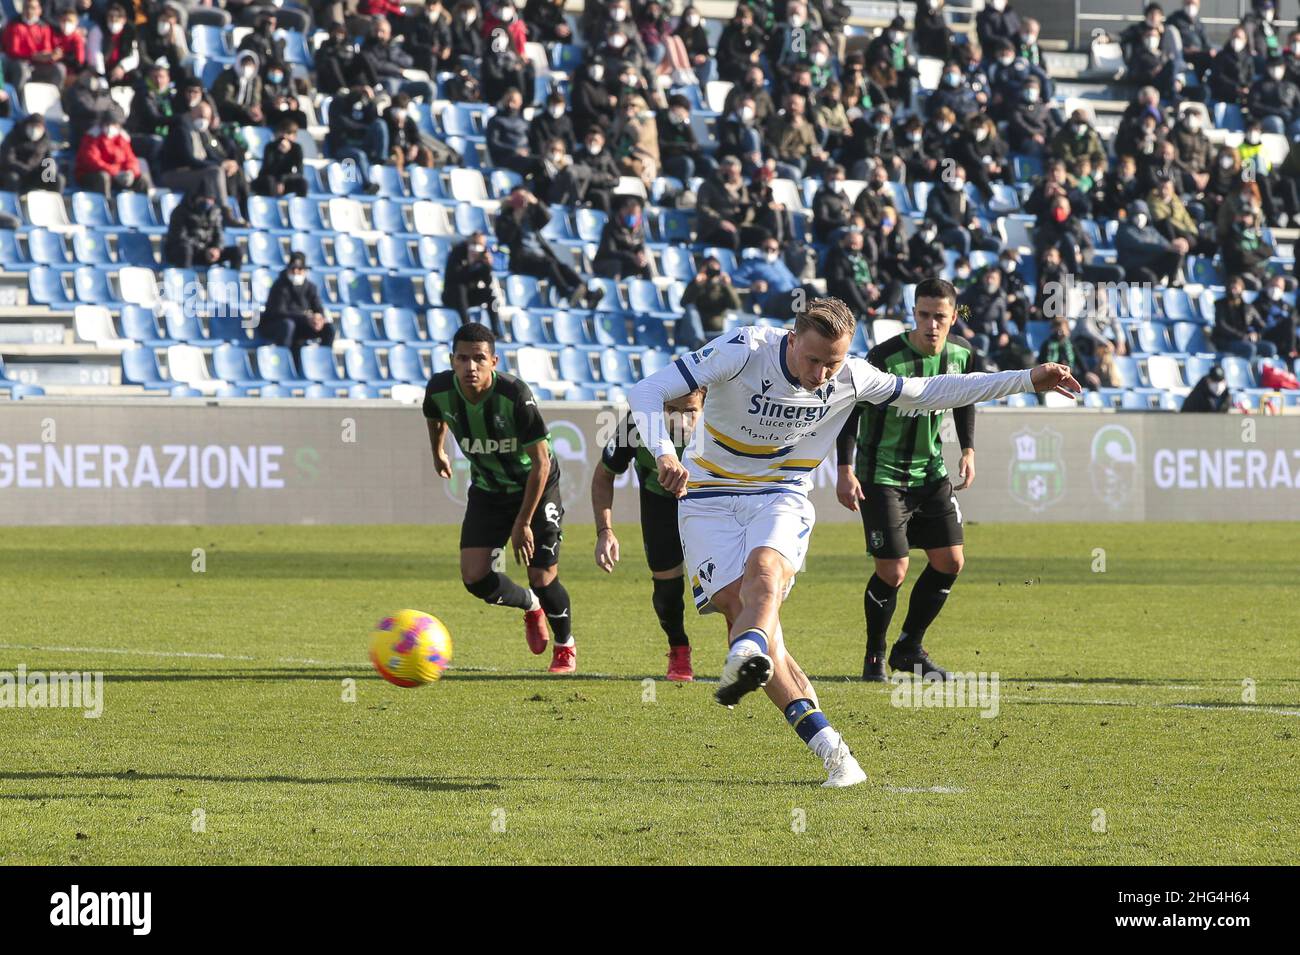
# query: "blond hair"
[[828, 317]]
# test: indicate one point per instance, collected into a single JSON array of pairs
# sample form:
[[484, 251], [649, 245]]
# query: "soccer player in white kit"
[[776, 401]]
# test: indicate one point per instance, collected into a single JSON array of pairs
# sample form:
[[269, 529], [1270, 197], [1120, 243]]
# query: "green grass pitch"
[[1125, 733]]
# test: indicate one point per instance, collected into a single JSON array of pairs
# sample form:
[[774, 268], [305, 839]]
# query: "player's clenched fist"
[[672, 475], [848, 490], [1055, 377]]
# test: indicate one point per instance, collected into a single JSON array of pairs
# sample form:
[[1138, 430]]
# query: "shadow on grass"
[[428, 784]]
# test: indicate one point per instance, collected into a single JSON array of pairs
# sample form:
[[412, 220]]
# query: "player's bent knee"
[[892, 572]]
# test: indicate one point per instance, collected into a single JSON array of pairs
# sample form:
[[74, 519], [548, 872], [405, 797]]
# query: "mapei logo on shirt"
[[489, 445]]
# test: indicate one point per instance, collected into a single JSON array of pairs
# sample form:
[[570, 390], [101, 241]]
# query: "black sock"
[[928, 597], [500, 590], [880, 599], [670, 606], [555, 602]]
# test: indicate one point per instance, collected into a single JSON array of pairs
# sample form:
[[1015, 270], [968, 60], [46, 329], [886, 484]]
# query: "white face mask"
[[837, 185], [981, 134], [1225, 162], [1238, 44], [506, 14], [1295, 48], [1193, 123], [692, 21], [597, 72], [999, 5], [1030, 95], [1153, 43], [113, 131], [1274, 293], [771, 256], [1140, 220], [1277, 72], [747, 114], [1192, 10], [69, 28], [956, 185], [617, 40], [943, 127], [1006, 60], [34, 133], [164, 28], [1217, 388], [796, 21], [820, 59], [619, 14], [1253, 137], [249, 71], [470, 16], [595, 148], [557, 111], [297, 278], [115, 27], [201, 125]]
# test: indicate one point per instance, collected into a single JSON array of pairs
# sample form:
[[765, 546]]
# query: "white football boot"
[[842, 769], [741, 674]]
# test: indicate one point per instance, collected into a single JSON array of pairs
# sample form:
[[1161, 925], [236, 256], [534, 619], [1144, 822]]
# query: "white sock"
[[535, 603], [565, 643], [825, 742], [744, 648]]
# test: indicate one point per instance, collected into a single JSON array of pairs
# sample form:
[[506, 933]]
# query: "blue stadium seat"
[[442, 324], [312, 246], [12, 256], [134, 248], [501, 181], [92, 286], [357, 325], [610, 301], [726, 258], [1229, 116], [575, 365], [183, 325], [399, 291], [611, 328], [47, 248], [433, 289], [523, 291], [304, 215], [89, 246], [297, 51], [227, 328], [135, 210], [344, 179], [470, 219], [1189, 337], [264, 213], [590, 224], [275, 364], [389, 181], [231, 364], [433, 251], [362, 364], [676, 263], [1022, 401], [1135, 401], [354, 288], [1126, 367], [1237, 371], [362, 390], [426, 184], [673, 225], [650, 332], [1151, 338], [400, 324], [351, 252], [616, 367], [404, 365], [395, 254], [264, 249], [140, 325], [655, 360], [387, 217], [1036, 333], [318, 364], [209, 42], [559, 228], [1197, 367], [91, 209], [140, 367], [527, 328], [571, 329]]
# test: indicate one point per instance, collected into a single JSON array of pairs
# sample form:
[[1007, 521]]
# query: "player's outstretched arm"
[[941, 392]]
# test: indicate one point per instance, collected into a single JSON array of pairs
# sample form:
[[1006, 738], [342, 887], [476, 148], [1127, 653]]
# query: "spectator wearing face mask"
[[1057, 347], [553, 176], [1151, 57], [339, 65], [893, 48], [752, 87], [1262, 36], [1210, 395], [1195, 42], [877, 200], [390, 62], [679, 150], [695, 40], [622, 252], [740, 46], [70, 42], [1162, 166], [279, 98], [1077, 139], [238, 92], [26, 158], [1031, 126], [106, 163], [1173, 221], [546, 23], [1059, 228], [791, 140], [941, 132], [872, 141], [519, 228], [1145, 254], [1098, 328], [1233, 70], [1255, 158], [593, 102], [1008, 75], [1275, 100], [85, 101], [282, 173], [1291, 57], [194, 232], [924, 253], [848, 275], [426, 36], [983, 155], [832, 209], [1238, 328], [467, 278], [725, 208], [634, 140], [357, 134], [163, 39], [111, 51], [982, 317], [592, 177], [707, 299], [772, 285], [886, 250], [1194, 149], [294, 313], [955, 93], [551, 123], [930, 29], [29, 49], [919, 164], [150, 118], [739, 137], [1279, 318], [950, 209], [507, 136], [1247, 251]]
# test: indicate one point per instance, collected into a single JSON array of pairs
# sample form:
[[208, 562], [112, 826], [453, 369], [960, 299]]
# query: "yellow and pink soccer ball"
[[410, 648]]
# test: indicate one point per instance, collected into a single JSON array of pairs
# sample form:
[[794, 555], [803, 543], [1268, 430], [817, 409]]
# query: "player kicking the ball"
[[663, 545], [908, 499], [776, 403], [515, 490]]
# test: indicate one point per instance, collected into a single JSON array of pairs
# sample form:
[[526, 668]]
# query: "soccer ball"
[[410, 648]]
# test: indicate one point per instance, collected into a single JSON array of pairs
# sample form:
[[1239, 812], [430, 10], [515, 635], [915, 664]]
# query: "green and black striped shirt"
[[494, 433], [903, 448]]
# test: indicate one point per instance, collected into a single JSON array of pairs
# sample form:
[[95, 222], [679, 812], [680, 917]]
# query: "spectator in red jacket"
[[30, 53], [382, 8], [504, 16], [70, 41], [106, 162]]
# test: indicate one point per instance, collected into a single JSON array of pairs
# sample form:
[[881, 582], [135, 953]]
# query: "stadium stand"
[[1164, 192]]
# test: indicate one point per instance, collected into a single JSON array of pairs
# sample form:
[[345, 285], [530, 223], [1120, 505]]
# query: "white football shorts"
[[720, 531]]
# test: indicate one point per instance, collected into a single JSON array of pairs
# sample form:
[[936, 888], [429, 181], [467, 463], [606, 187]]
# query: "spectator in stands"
[[194, 153], [1247, 250], [1210, 394], [262, 40], [519, 228], [634, 140], [831, 118], [1057, 346], [832, 209], [592, 177], [739, 136], [1031, 126], [1261, 32], [1291, 56], [848, 275], [707, 299], [29, 49], [151, 113], [593, 103], [468, 42], [753, 87], [357, 133], [389, 62], [1098, 328], [551, 123], [997, 21], [1145, 254], [1191, 32], [982, 317], [106, 163], [427, 37], [1244, 195], [1279, 318], [285, 13], [339, 65], [1076, 140], [933, 38], [956, 93], [194, 233], [1225, 177], [892, 48], [653, 26], [1233, 70], [950, 208], [941, 134], [1160, 166], [982, 154], [294, 313], [1194, 150], [84, 102], [507, 136], [886, 251], [622, 252], [279, 98], [919, 165], [112, 50], [508, 64], [791, 140], [1152, 54], [771, 217], [725, 208], [282, 173], [740, 46], [1275, 100], [467, 278], [772, 286], [70, 42], [924, 253], [679, 150], [690, 30], [876, 199], [27, 158], [1238, 329], [406, 147], [164, 39], [1172, 220], [238, 91], [546, 23], [1059, 228], [872, 139]]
